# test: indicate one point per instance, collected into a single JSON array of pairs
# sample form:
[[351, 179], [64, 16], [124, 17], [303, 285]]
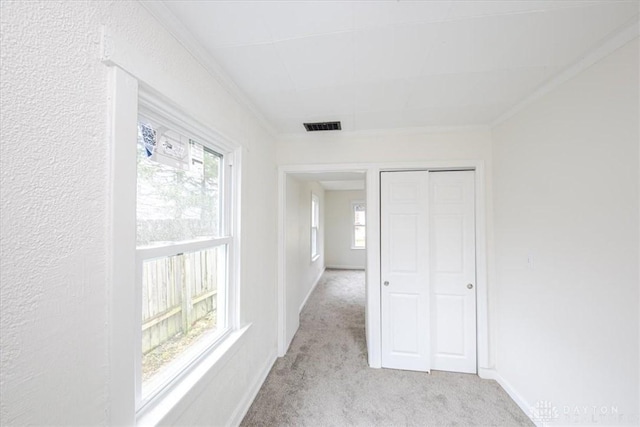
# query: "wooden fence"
[[177, 291]]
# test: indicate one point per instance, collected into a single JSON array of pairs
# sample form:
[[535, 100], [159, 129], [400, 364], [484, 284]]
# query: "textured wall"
[[54, 198], [55, 203]]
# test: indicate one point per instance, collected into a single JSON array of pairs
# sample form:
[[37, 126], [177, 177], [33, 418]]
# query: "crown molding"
[[167, 19], [605, 48]]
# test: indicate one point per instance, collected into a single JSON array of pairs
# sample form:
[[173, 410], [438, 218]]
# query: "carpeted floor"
[[324, 379]]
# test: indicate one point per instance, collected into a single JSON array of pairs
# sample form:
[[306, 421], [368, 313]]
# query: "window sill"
[[356, 248], [159, 408]]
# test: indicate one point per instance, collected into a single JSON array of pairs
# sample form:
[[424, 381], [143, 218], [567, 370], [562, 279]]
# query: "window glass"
[[174, 204], [315, 220], [182, 307], [359, 225], [182, 268]]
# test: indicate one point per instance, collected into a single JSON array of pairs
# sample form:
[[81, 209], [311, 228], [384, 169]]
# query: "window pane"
[[314, 241], [359, 214], [315, 211], [359, 236], [182, 311], [174, 204]]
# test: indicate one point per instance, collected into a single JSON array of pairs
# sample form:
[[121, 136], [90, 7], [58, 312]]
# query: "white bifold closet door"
[[428, 270]]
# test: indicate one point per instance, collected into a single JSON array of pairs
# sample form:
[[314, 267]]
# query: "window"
[[315, 221], [358, 240], [183, 251]]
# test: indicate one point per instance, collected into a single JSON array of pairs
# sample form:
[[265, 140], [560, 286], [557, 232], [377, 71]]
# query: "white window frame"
[[315, 227], [127, 97], [151, 109], [353, 224]]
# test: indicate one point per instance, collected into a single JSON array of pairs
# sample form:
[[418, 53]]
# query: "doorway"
[[373, 323], [305, 214], [428, 270]]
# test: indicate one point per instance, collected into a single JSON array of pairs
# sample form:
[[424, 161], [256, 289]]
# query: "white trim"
[[492, 374], [373, 262], [607, 47], [128, 92], [282, 261], [483, 344], [345, 267], [158, 108], [122, 135], [161, 251], [373, 304], [251, 393], [315, 283], [282, 264], [118, 51], [487, 374], [235, 250], [167, 19], [170, 406], [154, 106]]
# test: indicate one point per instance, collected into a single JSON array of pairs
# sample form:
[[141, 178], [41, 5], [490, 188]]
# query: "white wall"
[[566, 193], [55, 201], [295, 265], [392, 147], [338, 231], [383, 146], [301, 272], [311, 270]]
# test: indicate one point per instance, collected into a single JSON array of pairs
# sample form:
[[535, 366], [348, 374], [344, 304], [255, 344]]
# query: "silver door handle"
[[386, 283], [469, 286]]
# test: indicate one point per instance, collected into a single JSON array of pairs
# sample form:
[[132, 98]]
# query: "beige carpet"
[[324, 379]]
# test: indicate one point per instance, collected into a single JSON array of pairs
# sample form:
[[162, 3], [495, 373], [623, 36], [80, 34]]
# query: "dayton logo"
[[544, 412]]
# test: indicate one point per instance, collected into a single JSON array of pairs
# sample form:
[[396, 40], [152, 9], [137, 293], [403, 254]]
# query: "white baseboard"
[[252, 392], [311, 290], [492, 374], [346, 267]]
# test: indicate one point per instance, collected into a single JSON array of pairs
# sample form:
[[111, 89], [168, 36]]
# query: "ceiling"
[[396, 64]]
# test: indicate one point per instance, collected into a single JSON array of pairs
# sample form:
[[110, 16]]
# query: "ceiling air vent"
[[315, 127]]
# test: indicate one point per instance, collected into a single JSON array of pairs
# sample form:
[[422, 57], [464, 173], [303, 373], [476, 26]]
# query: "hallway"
[[324, 379]]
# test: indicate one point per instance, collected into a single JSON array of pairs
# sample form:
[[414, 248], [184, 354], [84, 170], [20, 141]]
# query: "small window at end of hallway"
[[315, 221], [358, 238]]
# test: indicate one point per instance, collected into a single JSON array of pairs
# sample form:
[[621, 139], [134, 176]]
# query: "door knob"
[[386, 283], [469, 286]]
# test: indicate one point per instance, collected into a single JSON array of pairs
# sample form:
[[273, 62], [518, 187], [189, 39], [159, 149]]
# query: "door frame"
[[373, 323], [282, 342]]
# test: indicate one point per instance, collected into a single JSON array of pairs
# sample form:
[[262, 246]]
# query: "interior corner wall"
[[566, 186], [55, 244], [339, 230]]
